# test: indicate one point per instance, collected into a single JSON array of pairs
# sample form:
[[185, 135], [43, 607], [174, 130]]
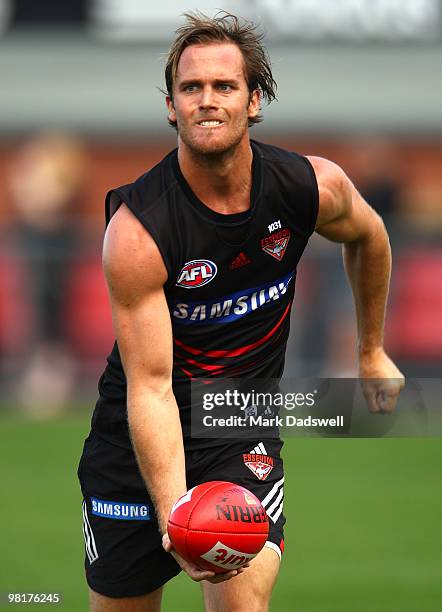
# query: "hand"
[[194, 571], [381, 381]]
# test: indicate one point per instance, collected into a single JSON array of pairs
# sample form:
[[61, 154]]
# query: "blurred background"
[[80, 112]]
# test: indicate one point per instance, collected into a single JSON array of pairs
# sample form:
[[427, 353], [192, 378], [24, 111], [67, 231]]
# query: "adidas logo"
[[260, 449], [239, 261]]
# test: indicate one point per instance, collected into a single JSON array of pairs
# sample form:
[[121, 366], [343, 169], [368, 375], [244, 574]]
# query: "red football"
[[218, 525]]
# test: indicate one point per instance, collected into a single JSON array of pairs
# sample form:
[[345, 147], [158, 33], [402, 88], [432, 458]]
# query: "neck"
[[222, 181]]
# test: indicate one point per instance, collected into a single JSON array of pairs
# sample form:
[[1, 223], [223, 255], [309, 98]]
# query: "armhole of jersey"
[[315, 195], [112, 204], [114, 199]]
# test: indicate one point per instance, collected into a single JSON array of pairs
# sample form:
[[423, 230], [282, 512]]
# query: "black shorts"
[[124, 555]]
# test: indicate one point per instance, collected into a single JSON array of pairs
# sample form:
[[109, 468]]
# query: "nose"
[[208, 98]]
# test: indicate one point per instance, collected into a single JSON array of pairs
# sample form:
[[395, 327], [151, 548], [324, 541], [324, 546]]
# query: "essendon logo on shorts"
[[276, 244], [196, 273], [260, 465]]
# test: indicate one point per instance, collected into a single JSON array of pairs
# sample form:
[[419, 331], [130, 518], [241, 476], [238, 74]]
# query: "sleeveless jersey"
[[231, 278]]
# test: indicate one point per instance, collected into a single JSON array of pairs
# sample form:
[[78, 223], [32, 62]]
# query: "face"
[[211, 101]]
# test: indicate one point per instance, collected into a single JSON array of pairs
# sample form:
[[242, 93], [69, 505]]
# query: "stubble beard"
[[213, 148]]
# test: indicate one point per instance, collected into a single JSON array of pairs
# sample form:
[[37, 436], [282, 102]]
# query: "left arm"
[[345, 217]]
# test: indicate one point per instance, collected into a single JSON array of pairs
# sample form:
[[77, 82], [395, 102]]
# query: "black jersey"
[[231, 278]]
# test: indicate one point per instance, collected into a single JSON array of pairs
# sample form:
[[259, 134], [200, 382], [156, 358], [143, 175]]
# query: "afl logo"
[[196, 273]]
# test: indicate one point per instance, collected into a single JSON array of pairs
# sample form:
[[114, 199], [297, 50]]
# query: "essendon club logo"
[[260, 465], [276, 244], [196, 273]]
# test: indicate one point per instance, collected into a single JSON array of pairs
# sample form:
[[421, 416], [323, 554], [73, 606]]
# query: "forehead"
[[215, 60]]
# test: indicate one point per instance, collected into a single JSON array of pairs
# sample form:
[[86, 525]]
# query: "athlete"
[[200, 257]]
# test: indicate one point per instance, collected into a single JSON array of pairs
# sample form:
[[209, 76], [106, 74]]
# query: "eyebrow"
[[228, 81]]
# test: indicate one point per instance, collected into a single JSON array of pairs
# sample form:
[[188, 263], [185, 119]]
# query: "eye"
[[224, 87], [190, 88]]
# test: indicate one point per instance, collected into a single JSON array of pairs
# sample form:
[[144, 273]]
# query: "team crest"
[[276, 244], [258, 461]]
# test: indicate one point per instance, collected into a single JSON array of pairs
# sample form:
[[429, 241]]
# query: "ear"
[[171, 109], [254, 104]]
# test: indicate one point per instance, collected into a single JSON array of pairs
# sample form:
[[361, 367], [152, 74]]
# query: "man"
[[200, 256]]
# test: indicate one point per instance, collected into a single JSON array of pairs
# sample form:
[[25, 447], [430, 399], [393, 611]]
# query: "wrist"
[[164, 509], [368, 351], [369, 359]]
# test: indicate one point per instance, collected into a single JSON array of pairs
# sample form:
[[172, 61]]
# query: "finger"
[[387, 395], [193, 570], [167, 545], [223, 577], [370, 398], [386, 402], [199, 575]]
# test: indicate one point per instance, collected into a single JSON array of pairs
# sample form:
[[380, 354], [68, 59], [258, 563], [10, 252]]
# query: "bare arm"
[[135, 274], [345, 217]]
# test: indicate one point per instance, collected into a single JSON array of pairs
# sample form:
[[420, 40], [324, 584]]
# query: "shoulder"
[[290, 169], [331, 178], [146, 191], [272, 153], [335, 189], [132, 261]]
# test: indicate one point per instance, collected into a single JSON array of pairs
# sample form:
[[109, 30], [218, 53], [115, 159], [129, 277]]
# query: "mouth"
[[212, 123]]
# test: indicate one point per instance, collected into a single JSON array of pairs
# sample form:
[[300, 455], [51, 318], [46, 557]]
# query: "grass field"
[[363, 531]]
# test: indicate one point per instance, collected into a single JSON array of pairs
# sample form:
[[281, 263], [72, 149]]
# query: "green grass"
[[363, 531]]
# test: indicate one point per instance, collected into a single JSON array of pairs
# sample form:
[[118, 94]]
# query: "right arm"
[[135, 274]]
